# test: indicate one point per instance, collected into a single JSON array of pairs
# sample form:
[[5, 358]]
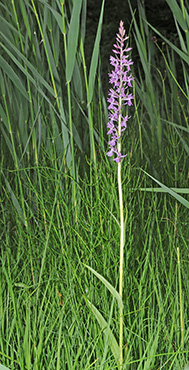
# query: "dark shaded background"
[[158, 15]]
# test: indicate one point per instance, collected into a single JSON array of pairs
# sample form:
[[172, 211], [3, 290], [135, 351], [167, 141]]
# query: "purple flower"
[[119, 157], [119, 95]]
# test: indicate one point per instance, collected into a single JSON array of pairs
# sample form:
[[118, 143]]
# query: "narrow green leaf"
[[73, 39], [107, 331], [170, 191], [8, 29], [56, 15], [8, 142], [181, 38], [51, 58], [186, 147], [2, 85], [25, 17], [161, 190], [108, 285], [14, 200], [38, 77], [175, 125], [141, 43], [4, 117], [184, 56], [77, 81], [13, 76], [176, 11], [83, 20], [94, 60]]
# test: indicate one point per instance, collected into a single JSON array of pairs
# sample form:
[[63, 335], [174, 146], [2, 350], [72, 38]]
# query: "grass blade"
[[38, 77], [73, 39], [183, 55], [170, 191], [161, 190], [108, 286], [107, 331], [15, 201], [185, 146], [94, 61], [56, 15], [13, 76], [176, 11], [176, 126]]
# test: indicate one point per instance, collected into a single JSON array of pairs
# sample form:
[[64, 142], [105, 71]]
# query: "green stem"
[[121, 263], [121, 237], [72, 150], [92, 142], [70, 120], [180, 299]]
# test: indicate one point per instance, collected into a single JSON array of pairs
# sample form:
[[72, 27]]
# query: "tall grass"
[[59, 201]]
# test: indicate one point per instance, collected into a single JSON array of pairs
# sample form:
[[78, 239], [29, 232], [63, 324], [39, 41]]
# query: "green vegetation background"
[[59, 202]]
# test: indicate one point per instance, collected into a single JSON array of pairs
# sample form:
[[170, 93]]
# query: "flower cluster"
[[120, 78]]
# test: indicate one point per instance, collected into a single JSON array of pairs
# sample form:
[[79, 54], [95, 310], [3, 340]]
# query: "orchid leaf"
[[106, 330], [108, 285]]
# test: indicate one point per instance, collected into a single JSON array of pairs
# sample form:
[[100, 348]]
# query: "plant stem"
[[121, 232], [121, 263], [180, 299], [70, 122], [121, 241]]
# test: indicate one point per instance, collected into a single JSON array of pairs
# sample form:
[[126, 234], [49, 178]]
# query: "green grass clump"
[[59, 199]]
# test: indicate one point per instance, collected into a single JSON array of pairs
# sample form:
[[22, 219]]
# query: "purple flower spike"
[[119, 96]]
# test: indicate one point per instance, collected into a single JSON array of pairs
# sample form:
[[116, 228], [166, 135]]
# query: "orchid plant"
[[121, 80]]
